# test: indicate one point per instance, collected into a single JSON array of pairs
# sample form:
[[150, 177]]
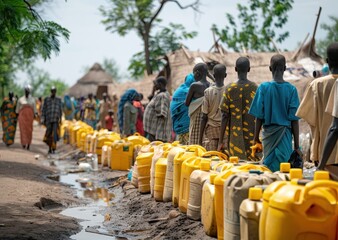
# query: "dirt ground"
[[30, 202], [28, 197]]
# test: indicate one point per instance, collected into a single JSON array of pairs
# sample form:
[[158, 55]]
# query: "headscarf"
[[68, 102], [178, 109], [128, 96]]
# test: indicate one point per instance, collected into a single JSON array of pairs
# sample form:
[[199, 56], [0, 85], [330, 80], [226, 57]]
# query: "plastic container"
[[219, 183], [188, 166], [284, 171], [301, 212], [160, 171], [137, 139], [250, 211], [208, 210], [168, 184], [143, 170], [236, 189], [197, 180], [121, 155], [134, 177], [104, 156], [158, 153], [192, 150], [101, 140]]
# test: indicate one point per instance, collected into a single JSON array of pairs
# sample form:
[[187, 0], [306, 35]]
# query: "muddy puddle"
[[92, 188]]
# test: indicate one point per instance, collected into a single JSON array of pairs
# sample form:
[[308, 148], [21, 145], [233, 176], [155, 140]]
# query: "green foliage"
[[331, 35], [141, 16], [166, 40], [258, 22], [25, 36], [41, 83]]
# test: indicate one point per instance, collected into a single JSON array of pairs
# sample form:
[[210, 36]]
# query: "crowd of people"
[[235, 118]]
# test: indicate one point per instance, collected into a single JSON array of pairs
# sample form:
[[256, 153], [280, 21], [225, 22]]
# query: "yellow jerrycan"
[[208, 212], [284, 171], [160, 170], [168, 184], [150, 147], [121, 155], [143, 170], [137, 139], [188, 166], [158, 153], [303, 212], [236, 189], [250, 211], [192, 150], [275, 187], [197, 180], [219, 183]]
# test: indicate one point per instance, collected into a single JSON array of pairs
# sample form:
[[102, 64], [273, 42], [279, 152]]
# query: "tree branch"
[[157, 12], [193, 5]]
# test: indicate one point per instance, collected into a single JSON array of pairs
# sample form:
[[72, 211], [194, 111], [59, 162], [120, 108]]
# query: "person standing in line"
[[312, 107], [109, 120], [140, 111], [180, 112], [157, 121], [51, 118], [26, 110], [105, 105], [68, 108], [238, 124], [194, 101], [8, 119], [332, 136], [127, 113], [274, 106], [211, 114], [90, 111]]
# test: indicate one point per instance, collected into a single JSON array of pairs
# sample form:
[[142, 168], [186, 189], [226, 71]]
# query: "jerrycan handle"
[[156, 143], [255, 171], [320, 183], [137, 134], [193, 148], [215, 153]]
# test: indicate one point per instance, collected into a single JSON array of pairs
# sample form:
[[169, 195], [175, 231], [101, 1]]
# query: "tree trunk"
[[146, 49]]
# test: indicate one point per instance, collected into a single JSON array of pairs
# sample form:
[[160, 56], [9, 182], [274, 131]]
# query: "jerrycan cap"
[[234, 159], [205, 165], [255, 171], [255, 193], [285, 167], [321, 175], [212, 177], [296, 173]]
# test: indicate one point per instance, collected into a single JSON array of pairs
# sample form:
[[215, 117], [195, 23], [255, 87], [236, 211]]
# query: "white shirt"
[[26, 101]]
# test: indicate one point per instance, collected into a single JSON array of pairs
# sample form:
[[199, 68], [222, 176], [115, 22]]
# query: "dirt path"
[[27, 197]]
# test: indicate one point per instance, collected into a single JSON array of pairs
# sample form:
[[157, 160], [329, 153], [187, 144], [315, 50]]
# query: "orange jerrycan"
[[219, 183], [197, 180], [168, 184], [208, 212], [250, 210], [192, 150], [143, 171], [236, 189], [188, 166], [303, 212], [160, 170]]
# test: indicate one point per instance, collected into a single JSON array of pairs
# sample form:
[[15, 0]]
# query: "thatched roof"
[[96, 76]]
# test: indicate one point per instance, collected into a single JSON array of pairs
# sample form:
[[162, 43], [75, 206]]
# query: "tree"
[[331, 36], [141, 16], [24, 36], [258, 22], [41, 82], [166, 40]]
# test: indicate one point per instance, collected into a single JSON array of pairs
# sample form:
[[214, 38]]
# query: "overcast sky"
[[90, 43]]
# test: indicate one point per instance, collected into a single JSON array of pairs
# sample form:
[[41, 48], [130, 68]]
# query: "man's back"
[[312, 110]]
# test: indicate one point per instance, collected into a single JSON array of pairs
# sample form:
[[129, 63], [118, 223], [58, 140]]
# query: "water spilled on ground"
[[92, 188]]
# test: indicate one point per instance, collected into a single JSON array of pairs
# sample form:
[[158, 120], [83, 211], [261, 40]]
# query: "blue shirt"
[[275, 103]]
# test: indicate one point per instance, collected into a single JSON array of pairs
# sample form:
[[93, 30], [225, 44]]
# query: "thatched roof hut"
[[95, 81]]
